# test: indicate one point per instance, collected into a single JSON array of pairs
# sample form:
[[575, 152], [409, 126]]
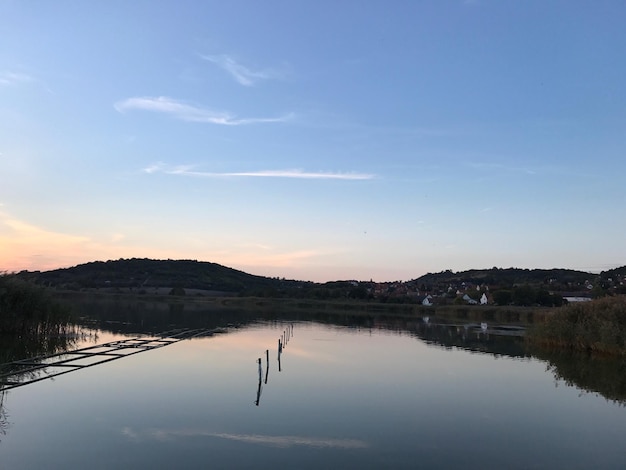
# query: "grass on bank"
[[597, 327], [27, 309]]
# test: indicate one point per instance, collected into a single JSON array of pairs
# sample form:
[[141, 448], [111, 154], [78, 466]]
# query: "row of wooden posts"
[[282, 343]]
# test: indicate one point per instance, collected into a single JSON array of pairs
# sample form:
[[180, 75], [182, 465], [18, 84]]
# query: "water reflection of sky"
[[354, 398]]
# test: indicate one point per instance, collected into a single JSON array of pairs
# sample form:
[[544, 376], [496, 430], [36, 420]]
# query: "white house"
[[483, 299], [469, 300]]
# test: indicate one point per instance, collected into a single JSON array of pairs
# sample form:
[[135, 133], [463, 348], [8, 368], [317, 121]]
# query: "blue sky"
[[314, 140]]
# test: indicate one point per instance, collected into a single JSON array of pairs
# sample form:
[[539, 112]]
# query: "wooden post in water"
[[258, 390], [267, 364]]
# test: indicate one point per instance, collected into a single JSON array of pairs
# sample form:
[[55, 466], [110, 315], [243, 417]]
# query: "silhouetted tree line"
[[527, 296], [555, 279], [336, 290]]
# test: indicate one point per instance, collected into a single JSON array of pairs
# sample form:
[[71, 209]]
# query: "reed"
[[597, 327], [27, 309]]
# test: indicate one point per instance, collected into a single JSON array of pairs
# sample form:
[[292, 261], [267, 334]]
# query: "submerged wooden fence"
[[26, 371]]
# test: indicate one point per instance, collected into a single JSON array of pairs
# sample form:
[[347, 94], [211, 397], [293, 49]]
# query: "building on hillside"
[[469, 300]]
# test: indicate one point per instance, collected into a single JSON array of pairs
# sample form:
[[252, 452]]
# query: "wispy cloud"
[[186, 112], [187, 170], [242, 74], [13, 78]]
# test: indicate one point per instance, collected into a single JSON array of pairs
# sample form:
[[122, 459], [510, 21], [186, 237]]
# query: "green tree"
[[524, 295], [359, 292], [503, 297]]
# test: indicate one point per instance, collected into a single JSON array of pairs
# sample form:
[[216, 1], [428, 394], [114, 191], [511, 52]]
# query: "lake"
[[347, 393]]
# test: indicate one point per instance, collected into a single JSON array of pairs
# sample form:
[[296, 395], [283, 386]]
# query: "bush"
[[598, 326], [503, 297], [177, 291], [28, 309]]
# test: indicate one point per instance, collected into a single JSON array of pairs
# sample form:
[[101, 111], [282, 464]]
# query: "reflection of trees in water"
[[603, 375], [15, 348], [138, 316], [470, 337], [4, 419], [607, 377]]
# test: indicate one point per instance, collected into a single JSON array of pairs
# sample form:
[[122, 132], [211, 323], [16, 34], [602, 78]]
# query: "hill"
[[144, 274], [554, 279]]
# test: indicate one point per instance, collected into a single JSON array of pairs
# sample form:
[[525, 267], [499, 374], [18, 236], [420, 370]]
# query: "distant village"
[[469, 293], [465, 293]]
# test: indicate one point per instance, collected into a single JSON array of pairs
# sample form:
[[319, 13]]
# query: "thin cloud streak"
[[13, 78], [186, 112], [243, 75], [186, 170]]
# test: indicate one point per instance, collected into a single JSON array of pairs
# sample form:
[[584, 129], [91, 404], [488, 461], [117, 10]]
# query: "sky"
[[321, 140]]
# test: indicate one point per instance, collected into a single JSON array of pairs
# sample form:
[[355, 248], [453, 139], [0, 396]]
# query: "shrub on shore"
[[27, 309], [596, 327]]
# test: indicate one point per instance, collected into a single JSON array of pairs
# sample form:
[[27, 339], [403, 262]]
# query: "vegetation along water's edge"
[[597, 327], [27, 309]]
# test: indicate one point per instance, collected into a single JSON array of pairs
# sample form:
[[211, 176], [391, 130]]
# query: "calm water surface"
[[343, 398]]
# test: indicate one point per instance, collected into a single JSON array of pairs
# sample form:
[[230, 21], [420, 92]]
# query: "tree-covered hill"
[[136, 273], [616, 273], [556, 279], [148, 275]]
